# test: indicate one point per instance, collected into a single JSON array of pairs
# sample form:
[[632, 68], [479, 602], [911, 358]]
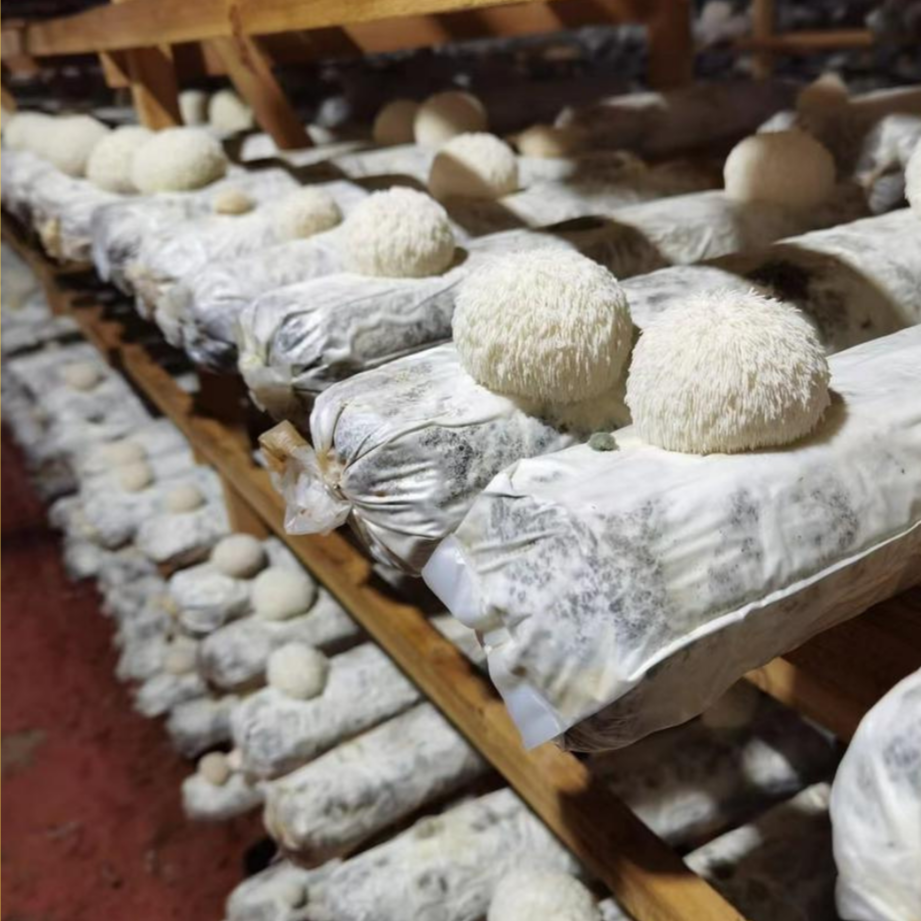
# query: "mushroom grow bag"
[[876, 811], [620, 592], [120, 229], [402, 451], [296, 341], [201, 312]]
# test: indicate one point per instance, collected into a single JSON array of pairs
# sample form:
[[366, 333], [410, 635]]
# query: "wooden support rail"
[[646, 876]]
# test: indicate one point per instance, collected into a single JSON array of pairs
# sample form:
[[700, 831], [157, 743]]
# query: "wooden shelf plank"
[[646, 875], [145, 22]]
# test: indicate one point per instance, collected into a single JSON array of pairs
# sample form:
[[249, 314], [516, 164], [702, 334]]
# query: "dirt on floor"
[[92, 820]]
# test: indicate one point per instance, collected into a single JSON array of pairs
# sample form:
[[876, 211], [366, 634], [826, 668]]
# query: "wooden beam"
[[648, 877], [250, 72], [808, 42], [763, 19], [141, 22], [671, 45], [9, 101]]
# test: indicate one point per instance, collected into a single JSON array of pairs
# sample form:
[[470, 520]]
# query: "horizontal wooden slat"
[[808, 42], [146, 22], [648, 878]]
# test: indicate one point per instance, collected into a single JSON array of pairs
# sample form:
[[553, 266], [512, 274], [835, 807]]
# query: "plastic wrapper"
[[697, 116], [173, 253], [119, 230], [278, 893], [876, 811], [31, 325], [112, 517], [199, 725], [276, 734], [453, 861], [335, 803], [62, 210], [163, 691], [181, 538], [204, 801], [235, 656], [621, 592], [400, 452], [22, 173]]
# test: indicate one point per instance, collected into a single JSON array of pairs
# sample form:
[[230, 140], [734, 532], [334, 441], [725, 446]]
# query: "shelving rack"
[[834, 679], [147, 45]]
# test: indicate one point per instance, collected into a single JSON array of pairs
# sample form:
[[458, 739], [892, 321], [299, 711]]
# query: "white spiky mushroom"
[[184, 498], [193, 107], [23, 130], [913, 180], [538, 893], [305, 212], [240, 556], [394, 123], [445, 115], [297, 670], [178, 160], [213, 768], [109, 165], [548, 141], [399, 233], [547, 325], [725, 372], [227, 112], [279, 593], [81, 375], [68, 142], [135, 477], [787, 168], [478, 165]]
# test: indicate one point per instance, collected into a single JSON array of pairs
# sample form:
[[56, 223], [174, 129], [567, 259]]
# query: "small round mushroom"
[[232, 201], [178, 160], [228, 113], [280, 593], [121, 452], [548, 141], [534, 893], [474, 166], [548, 324], [394, 123], [308, 211], [81, 375], [399, 233], [135, 477], [109, 165], [787, 168], [725, 372], [297, 670], [193, 107], [213, 767], [184, 498], [68, 142], [240, 556], [292, 892], [826, 93], [444, 115]]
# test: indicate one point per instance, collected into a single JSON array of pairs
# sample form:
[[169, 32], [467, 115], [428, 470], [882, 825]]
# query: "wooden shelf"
[[646, 875]]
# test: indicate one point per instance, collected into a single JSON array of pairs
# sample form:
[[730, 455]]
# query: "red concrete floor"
[[92, 822]]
